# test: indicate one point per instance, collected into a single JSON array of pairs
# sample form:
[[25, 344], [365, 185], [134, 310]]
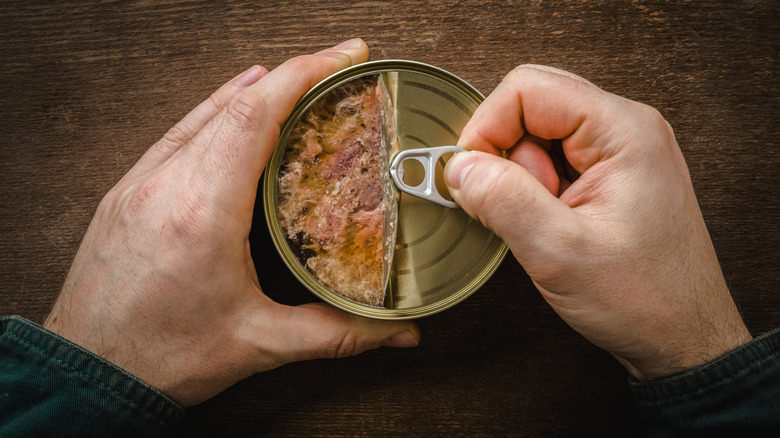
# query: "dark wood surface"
[[87, 86]]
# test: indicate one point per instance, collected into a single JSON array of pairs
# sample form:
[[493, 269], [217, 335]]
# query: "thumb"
[[319, 330], [509, 200]]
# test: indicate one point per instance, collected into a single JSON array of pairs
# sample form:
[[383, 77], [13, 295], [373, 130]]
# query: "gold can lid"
[[441, 255]]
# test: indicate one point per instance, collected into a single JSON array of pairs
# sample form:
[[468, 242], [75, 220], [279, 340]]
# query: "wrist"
[[693, 353]]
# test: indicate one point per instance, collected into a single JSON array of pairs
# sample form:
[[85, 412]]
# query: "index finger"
[[244, 141], [553, 104]]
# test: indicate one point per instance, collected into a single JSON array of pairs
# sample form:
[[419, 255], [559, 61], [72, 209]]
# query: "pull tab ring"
[[428, 158]]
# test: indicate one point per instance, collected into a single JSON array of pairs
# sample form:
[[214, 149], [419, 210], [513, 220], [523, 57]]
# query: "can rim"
[[270, 195]]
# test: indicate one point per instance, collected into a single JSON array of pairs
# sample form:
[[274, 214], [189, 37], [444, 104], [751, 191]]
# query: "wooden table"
[[87, 86]]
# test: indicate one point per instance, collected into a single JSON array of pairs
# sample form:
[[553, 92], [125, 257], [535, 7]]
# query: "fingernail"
[[458, 167], [354, 43], [249, 76], [405, 339]]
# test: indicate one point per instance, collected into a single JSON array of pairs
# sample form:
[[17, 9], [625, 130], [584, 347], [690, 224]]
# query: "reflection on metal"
[[442, 255]]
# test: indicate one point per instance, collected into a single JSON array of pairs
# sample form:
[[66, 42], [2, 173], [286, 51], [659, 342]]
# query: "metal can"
[[442, 255]]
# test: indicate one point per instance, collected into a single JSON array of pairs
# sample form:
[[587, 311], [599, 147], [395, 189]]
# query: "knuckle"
[[521, 70], [188, 217], [654, 127], [346, 345], [643, 113], [649, 113], [142, 198], [528, 76], [523, 73], [217, 100], [516, 75], [111, 205], [299, 62], [303, 63], [246, 109], [659, 121], [185, 216], [177, 135], [341, 338]]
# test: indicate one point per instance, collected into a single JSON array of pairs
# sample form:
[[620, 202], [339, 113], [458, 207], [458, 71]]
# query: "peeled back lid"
[[441, 255]]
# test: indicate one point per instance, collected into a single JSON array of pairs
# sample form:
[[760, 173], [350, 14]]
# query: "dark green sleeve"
[[52, 387], [737, 394]]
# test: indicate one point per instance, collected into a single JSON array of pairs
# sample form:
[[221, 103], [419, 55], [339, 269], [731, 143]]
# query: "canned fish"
[[350, 240]]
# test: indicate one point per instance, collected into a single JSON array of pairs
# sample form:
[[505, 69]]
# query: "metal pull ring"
[[428, 158]]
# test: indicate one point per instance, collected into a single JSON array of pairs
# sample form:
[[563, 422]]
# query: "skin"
[[595, 201], [164, 285]]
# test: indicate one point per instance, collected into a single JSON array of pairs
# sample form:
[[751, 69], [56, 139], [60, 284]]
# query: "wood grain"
[[87, 86]]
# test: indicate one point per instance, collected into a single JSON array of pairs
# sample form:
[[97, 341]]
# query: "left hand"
[[164, 285]]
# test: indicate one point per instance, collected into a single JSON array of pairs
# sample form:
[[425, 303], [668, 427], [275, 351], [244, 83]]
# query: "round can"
[[441, 255]]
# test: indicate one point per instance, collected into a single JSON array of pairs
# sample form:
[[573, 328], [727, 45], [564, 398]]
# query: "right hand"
[[612, 234]]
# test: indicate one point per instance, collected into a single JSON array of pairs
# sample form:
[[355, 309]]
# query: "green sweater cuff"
[[50, 386], [738, 391]]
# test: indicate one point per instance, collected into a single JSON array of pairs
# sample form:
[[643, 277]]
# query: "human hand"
[[164, 285], [622, 254]]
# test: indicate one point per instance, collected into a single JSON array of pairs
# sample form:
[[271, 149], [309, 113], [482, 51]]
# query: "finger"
[[551, 104], [533, 154], [314, 331], [196, 119], [559, 72], [563, 168], [509, 200], [201, 114], [247, 135]]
